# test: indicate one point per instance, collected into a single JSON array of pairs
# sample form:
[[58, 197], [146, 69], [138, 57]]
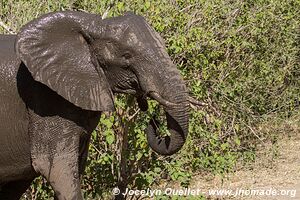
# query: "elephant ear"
[[56, 50]]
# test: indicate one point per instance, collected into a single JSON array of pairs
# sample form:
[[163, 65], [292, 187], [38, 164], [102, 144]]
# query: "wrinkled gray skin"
[[58, 74]]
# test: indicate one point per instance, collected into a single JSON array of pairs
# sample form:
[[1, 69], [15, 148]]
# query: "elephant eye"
[[127, 55]]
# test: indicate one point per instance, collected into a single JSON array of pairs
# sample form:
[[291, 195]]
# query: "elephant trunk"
[[174, 99]]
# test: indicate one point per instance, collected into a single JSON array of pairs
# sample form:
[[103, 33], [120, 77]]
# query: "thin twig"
[[212, 106], [187, 8], [96, 148], [8, 29], [107, 10], [133, 116], [253, 132]]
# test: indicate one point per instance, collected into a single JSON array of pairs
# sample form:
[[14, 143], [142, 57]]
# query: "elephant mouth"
[[142, 103]]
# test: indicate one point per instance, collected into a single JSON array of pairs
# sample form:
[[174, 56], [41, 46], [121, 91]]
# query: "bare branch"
[[187, 8], [107, 10], [133, 116], [105, 13], [212, 106], [96, 149], [254, 132], [8, 29], [81, 10]]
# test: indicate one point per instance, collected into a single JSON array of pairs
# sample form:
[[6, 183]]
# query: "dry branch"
[[107, 10], [8, 29]]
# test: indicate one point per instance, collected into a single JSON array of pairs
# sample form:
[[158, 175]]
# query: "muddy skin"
[[56, 77]]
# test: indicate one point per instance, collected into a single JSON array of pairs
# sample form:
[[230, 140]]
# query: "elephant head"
[[86, 59]]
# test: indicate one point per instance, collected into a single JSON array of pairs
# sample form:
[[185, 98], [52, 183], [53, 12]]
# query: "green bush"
[[239, 57]]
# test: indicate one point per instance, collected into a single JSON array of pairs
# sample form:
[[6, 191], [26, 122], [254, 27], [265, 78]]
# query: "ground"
[[269, 172]]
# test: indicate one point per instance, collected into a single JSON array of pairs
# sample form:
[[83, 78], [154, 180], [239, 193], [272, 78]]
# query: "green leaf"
[[237, 141], [110, 138]]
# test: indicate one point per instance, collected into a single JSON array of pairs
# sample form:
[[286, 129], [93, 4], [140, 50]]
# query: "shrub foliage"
[[241, 58]]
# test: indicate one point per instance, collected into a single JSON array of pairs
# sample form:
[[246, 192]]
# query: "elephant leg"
[[55, 154], [62, 172], [14, 190], [64, 177]]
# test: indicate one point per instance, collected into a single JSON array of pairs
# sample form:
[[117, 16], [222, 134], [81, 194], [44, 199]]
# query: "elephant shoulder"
[[7, 43], [9, 62]]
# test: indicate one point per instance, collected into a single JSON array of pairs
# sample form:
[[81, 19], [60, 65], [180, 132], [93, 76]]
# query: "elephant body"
[[58, 74], [34, 134], [15, 163]]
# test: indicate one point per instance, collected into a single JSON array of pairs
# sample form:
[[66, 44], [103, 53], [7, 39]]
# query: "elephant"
[[58, 74]]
